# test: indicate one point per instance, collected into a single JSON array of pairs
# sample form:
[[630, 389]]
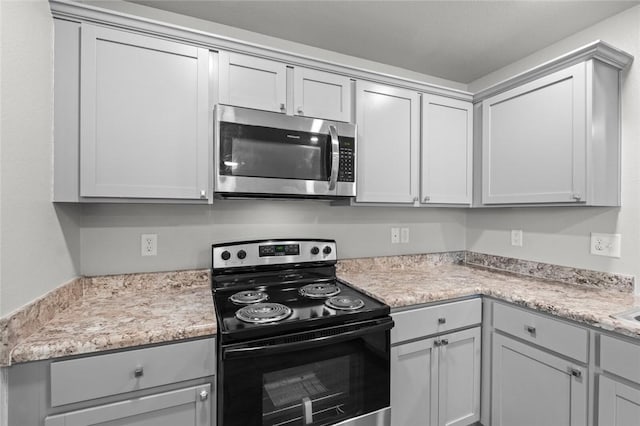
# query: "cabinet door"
[[388, 143], [459, 378], [533, 387], [534, 141], [144, 117], [184, 407], [414, 384], [618, 404], [320, 94], [447, 150], [250, 82]]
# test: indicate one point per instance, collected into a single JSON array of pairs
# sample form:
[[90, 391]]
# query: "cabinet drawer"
[[555, 335], [103, 375], [416, 323], [620, 357]]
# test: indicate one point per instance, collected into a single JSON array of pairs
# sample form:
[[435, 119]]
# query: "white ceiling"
[[456, 40]]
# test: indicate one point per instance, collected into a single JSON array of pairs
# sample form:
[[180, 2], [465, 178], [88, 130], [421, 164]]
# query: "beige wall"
[[39, 242], [561, 235]]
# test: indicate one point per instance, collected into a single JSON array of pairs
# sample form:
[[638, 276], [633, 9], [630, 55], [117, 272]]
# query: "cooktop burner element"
[[346, 303], [319, 290], [262, 313], [248, 297]]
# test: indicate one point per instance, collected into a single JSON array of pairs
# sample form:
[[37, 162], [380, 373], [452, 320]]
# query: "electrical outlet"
[[149, 244], [605, 244], [404, 235], [516, 237], [395, 235]]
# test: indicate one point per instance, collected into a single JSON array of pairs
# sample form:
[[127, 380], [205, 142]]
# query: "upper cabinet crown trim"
[[82, 12], [598, 49]]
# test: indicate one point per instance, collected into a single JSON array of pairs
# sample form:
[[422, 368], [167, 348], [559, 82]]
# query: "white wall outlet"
[[605, 244], [149, 244], [395, 235], [404, 235], [516, 237]]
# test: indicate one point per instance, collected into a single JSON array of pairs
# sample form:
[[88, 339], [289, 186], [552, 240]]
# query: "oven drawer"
[[93, 377], [416, 323], [558, 336], [620, 357]]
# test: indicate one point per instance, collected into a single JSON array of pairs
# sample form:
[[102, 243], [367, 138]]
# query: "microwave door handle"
[[335, 157]]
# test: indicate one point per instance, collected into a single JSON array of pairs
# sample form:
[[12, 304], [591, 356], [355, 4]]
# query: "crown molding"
[[80, 12], [598, 50]]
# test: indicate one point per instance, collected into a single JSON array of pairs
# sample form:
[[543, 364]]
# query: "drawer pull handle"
[[575, 372], [437, 343], [138, 372], [445, 342], [204, 395], [442, 320], [531, 330]]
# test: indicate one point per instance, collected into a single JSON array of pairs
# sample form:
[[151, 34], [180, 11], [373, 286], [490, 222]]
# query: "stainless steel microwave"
[[266, 154]]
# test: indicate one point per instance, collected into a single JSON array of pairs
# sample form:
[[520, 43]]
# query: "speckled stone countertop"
[[125, 311], [401, 285]]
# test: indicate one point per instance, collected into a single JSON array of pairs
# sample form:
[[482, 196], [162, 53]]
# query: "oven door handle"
[[229, 353]]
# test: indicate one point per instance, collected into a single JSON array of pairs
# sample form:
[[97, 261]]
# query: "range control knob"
[[315, 250], [225, 255], [242, 254], [326, 250]]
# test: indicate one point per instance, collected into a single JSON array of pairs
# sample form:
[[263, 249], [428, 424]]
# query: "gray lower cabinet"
[[170, 385], [534, 387], [618, 403], [185, 407], [435, 365], [436, 381], [619, 395]]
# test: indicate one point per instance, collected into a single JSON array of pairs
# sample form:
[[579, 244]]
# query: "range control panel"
[[271, 252]]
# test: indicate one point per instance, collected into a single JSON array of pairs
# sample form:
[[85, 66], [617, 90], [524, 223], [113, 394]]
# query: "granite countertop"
[[116, 312], [425, 283], [124, 311]]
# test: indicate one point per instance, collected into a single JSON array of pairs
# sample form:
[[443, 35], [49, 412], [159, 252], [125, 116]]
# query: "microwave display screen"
[[264, 152]]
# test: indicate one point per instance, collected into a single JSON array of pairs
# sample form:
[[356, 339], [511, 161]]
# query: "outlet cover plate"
[[605, 244], [149, 244], [395, 235], [516, 237]]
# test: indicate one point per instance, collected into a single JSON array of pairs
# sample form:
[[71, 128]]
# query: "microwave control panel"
[[346, 167]]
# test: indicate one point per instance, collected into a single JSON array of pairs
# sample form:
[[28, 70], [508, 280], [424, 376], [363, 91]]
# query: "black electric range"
[[299, 345]]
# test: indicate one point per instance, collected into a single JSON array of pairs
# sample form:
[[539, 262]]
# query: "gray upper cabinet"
[[144, 116], [388, 120], [447, 151], [251, 82], [320, 94], [534, 141], [555, 139]]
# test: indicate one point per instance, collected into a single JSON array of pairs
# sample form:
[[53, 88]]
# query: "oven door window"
[[264, 152], [318, 386]]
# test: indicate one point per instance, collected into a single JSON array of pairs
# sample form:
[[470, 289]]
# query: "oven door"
[[338, 375], [261, 152]]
